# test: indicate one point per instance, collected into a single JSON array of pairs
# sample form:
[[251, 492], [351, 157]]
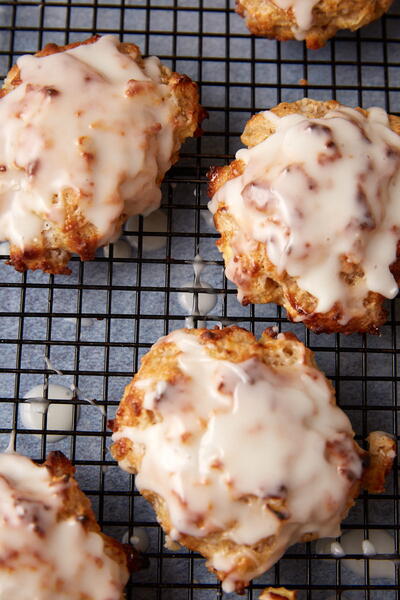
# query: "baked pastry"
[[239, 447], [314, 21], [309, 216], [278, 594], [50, 543], [88, 132]]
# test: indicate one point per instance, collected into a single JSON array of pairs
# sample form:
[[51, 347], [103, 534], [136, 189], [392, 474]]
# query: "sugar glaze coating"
[[91, 120], [42, 555], [302, 10], [216, 420], [323, 195]]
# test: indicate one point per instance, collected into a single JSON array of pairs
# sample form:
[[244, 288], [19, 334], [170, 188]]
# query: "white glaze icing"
[[315, 190], [11, 443], [41, 556], [198, 266], [92, 120], [60, 416], [368, 548], [189, 322], [194, 302], [139, 539], [222, 417], [51, 367], [206, 302], [79, 394], [336, 549], [302, 11]]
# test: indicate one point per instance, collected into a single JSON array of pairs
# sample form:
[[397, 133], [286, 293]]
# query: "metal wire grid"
[[134, 301]]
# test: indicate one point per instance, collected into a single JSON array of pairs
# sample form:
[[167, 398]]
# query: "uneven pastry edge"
[[281, 593], [329, 16], [236, 345], [267, 284]]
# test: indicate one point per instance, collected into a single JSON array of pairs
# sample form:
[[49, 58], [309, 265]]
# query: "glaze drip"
[[302, 11]]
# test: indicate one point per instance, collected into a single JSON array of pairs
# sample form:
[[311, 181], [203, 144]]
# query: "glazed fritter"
[[240, 448], [88, 132], [309, 214]]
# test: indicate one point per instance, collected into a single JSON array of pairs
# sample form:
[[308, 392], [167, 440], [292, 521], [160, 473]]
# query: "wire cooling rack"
[[96, 324]]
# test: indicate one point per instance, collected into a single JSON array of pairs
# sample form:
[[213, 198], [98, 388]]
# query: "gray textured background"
[[119, 295]]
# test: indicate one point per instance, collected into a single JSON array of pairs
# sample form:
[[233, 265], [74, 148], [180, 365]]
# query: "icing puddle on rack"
[[197, 303], [39, 409], [353, 542], [60, 416]]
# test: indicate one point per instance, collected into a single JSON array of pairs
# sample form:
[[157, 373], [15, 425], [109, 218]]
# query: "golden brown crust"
[[52, 252], [266, 283], [281, 593], [77, 505], [161, 364], [266, 19], [382, 451]]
